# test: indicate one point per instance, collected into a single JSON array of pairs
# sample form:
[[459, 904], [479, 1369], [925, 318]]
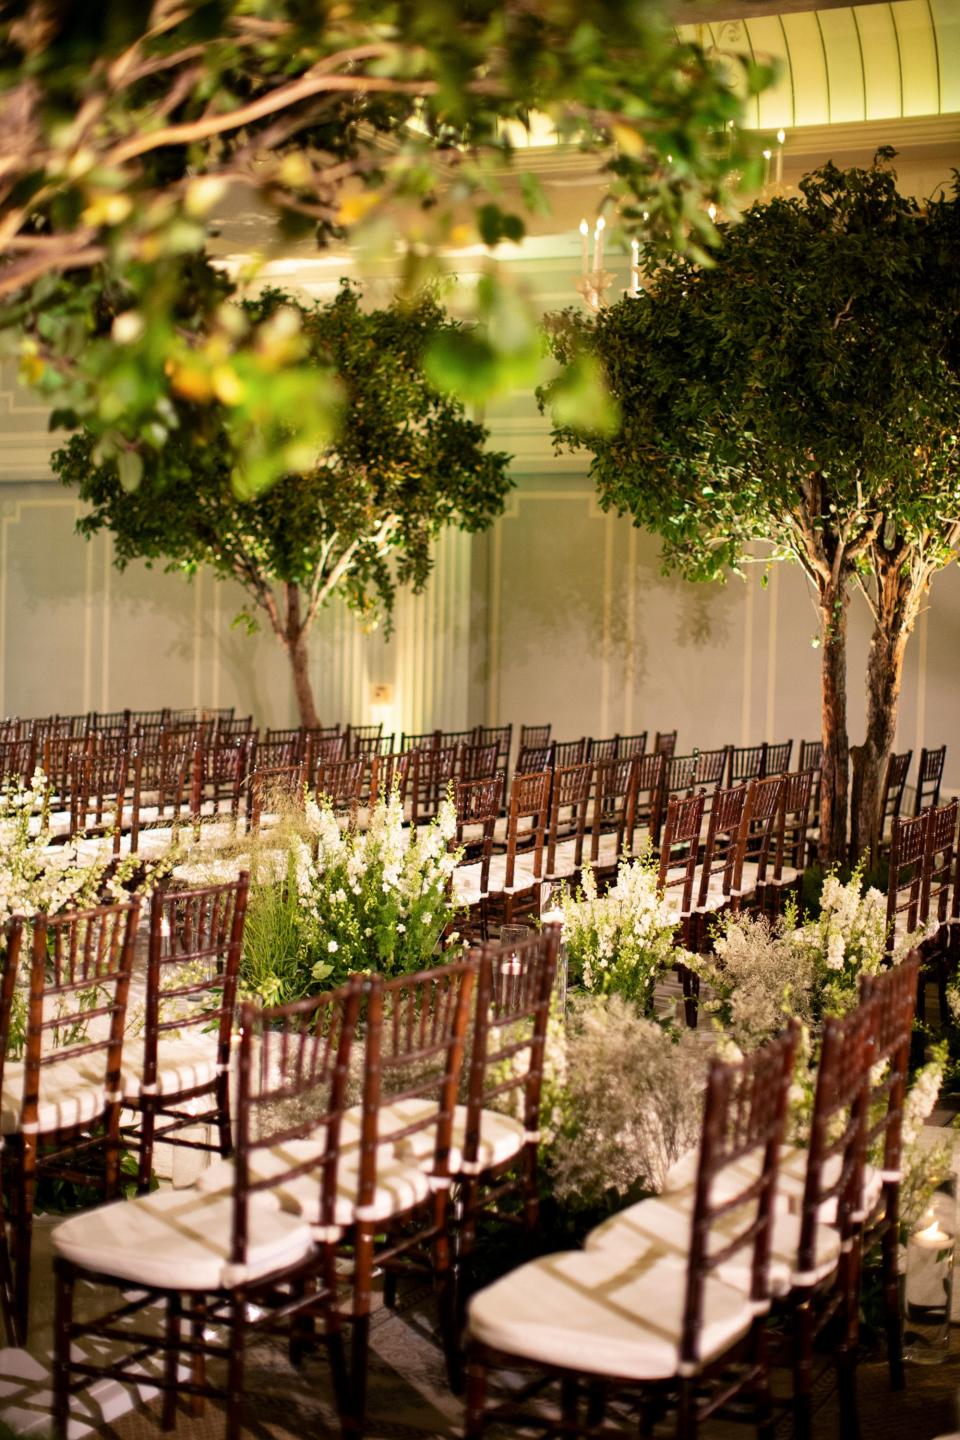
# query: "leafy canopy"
[[407, 461], [804, 389], [129, 130]]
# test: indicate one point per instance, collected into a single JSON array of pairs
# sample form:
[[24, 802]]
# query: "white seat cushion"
[[793, 1176], [605, 1313], [501, 1136], [184, 1062], [180, 1240], [68, 1097], [665, 1220], [400, 1185]]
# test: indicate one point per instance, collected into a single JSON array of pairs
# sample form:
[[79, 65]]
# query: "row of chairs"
[[673, 1298], [309, 1180]]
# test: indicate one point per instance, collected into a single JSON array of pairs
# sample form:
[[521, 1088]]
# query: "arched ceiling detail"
[[852, 63]]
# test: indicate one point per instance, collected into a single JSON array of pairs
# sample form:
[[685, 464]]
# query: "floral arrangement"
[[761, 974], [349, 901], [620, 942]]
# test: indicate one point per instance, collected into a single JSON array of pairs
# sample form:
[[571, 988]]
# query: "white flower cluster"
[[852, 928], [620, 941]]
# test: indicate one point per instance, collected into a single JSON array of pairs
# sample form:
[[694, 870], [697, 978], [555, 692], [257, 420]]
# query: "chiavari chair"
[[258, 1253], [936, 895], [894, 993], [341, 781], [814, 1275], [665, 743], [499, 735], [605, 749], [710, 769], [569, 809], [777, 758], [274, 790], [568, 752], [439, 769], [110, 722], [908, 842], [60, 1115], [533, 757], [231, 726], [145, 717], [535, 736], [717, 885], [477, 805], [360, 737], [631, 744], [318, 749], [811, 758], [161, 800], [679, 854], [649, 802], [633, 1316], [462, 737], [18, 759], [476, 762], [894, 784], [269, 754], [98, 788], [515, 876], [929, 778], [613, 818], [395, 771], [746, 762], [193, 963], [426, 740], [220, 770], [761, 840], [224, 715], [793, 840]]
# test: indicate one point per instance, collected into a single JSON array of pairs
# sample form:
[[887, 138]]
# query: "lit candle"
[[712, 211], [598, 245], [781, 137], [634, 267], [766, 166], [933, 1238], [584, 232]]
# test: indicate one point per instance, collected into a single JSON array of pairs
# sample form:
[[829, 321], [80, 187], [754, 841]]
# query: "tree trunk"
[[833, 692], [295, 641], [898, 598]]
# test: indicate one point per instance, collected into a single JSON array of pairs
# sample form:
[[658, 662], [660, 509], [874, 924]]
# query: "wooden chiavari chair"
[[439, 769], [648, 816], [193, 963], [499, 735], [569, 752], [929, 778], [628, 1316], [613, 820], [341, 781], [18, 759], [894, 993], [908, 843], [234, 1257], [60, 1117], [533, 757], [476, 762], [395, 771], [273, 790], [318, 750], [535, 736], [793, 840], [631, 744], [746, 762], [679, 854], [98, 788], [761, 840], [891, 798], [569, 809], [274, 754], [478, 808], [777, 759], [605, 749], [363, 739], [516, 876], [936, 893], [665, 743], [161, 799]]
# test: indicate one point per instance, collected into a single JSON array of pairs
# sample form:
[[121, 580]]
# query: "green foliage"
[[125, 126], [360, 520]]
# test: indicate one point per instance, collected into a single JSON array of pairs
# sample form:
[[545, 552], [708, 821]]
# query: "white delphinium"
[[620, 942]]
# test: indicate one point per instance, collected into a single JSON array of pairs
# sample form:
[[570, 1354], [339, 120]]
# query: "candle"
[[598, 245], [634, 267], [933, 1238], [781, 137], [584, 231], [766, 166]]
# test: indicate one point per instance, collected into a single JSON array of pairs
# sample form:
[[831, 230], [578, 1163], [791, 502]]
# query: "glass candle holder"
[[928, 1287], [551, 914]]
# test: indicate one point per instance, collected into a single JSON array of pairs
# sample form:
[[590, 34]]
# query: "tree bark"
[[833, 692], [898, 602], [295, 640]]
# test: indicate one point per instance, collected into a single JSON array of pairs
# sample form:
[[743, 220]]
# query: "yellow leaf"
[[353, 208], [627, 139], [191, 382]]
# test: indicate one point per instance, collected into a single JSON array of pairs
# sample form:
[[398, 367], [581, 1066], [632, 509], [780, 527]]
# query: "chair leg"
[[447, 1311], [476, 1396], [390, 1289], [171, 1359], [359, 1347], [223, 1115], [145, 1164], [803, 1372], [891, 1301], [63, 1321], [235, 1368], [570, 1403], [23, 1237], [6, 1284], [686, 1411], [198, 1361]]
